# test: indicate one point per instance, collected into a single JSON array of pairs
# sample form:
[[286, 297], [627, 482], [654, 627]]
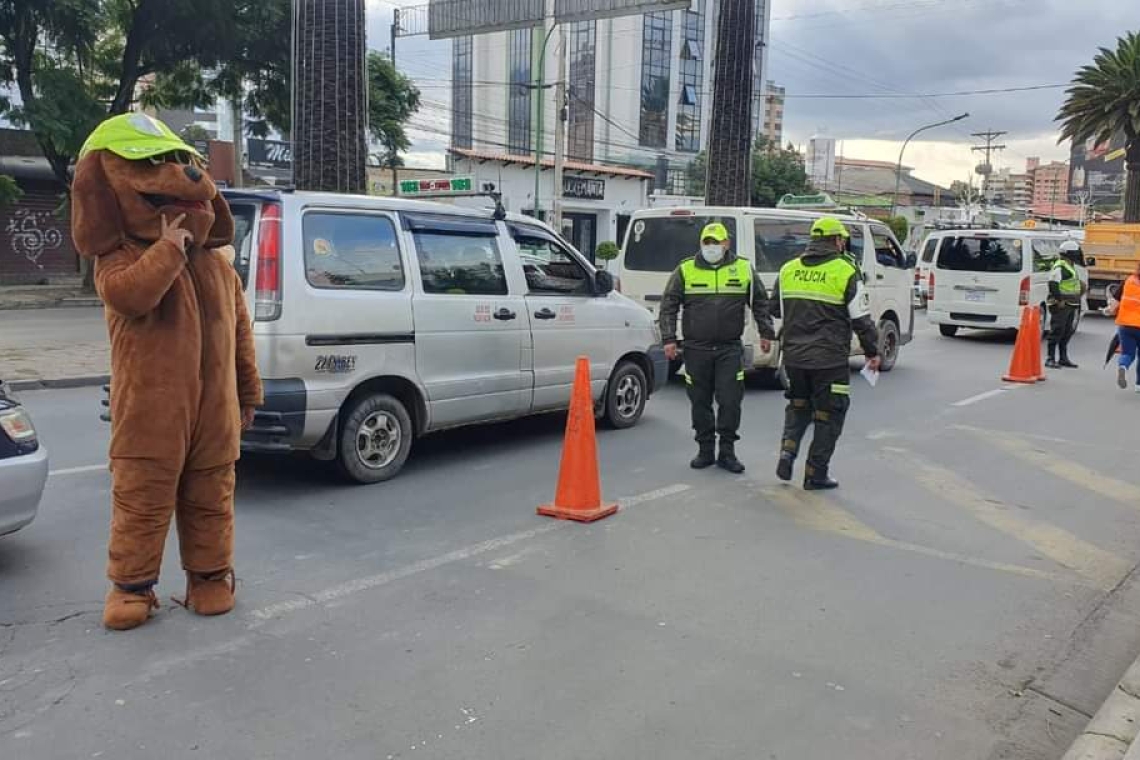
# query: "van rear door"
[[978, 277]]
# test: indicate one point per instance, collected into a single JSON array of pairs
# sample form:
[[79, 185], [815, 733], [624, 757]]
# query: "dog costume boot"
[[182, 359]]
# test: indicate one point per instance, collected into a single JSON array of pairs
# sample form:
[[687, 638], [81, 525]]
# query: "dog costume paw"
[[210, 593], [124, 610]]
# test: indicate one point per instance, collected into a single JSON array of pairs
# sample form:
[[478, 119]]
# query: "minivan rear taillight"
[[267, 301], [1023, 294], [930, 287]]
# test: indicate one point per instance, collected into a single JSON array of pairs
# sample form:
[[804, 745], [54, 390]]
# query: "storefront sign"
[[586, 189], [269, 154], [435, 186]]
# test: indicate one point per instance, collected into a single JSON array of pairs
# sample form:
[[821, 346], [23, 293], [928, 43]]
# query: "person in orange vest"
[[1128, 328]]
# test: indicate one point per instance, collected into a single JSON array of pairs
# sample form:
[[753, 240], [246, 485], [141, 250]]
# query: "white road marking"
[[78, 470], [983, 396], [349, 588]]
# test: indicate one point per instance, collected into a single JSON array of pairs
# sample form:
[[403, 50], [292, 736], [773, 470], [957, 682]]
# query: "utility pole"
[[560, 101], [988, 149], [235, 108], [730, 131], [395, 31]]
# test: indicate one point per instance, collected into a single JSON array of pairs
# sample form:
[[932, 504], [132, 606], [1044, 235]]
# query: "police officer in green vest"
[[821, 298], [713, 292], [1065, 290]]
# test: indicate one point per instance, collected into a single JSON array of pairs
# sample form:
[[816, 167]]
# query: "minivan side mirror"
[[1090, 261], [911, 261], [603, 282]]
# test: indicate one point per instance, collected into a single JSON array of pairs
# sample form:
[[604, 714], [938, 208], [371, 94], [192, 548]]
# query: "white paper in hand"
[[870, 375]]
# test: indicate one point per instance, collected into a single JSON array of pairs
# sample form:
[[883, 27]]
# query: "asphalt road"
[[968, 593]]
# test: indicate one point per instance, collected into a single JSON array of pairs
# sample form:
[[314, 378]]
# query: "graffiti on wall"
[[32, 234]]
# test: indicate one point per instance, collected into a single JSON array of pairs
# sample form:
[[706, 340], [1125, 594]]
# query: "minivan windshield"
[[660, 243], [980, 254]]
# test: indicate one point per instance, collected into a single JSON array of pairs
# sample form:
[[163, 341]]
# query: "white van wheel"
[[889, 343], [375, 439], [948, 331], [625, 396]]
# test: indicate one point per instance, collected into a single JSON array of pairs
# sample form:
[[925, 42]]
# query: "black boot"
[[704, 458], [1065, 361], [1051, 362], [785, 465], [727, 459], [816, 479]]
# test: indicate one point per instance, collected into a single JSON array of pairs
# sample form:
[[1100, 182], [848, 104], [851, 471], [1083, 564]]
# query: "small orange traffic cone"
[[1035, 331], [579, 495], [1024, 367]]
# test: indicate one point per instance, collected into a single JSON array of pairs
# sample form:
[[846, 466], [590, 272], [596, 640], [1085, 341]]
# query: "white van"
[[657, 240], [377, 320], [982, 278]]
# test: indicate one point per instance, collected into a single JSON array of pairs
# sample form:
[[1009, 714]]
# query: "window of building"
[[692, 73], [518, 104], [460, 264], [656, 43], [462, 103], [351, 252], [580, 121]]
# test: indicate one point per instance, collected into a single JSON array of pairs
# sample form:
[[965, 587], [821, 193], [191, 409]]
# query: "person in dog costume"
[[182, 359]]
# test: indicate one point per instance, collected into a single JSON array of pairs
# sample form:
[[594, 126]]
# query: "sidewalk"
[[53, 348], [63, 293]]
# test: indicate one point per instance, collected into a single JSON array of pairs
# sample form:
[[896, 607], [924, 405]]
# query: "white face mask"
[[712, 253]]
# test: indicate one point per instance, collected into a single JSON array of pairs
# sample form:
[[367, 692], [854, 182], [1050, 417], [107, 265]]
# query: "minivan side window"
[[244, 215], [887, 252], [550, 269], [929, 249], [347, 251], [460, 264], [779, 241]]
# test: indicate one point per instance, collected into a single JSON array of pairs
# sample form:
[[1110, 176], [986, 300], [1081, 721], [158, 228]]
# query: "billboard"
[[269, 154], [1097, 168], [459, 18]]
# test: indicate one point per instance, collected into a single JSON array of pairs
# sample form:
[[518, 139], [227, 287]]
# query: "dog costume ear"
[[222, 233], [96, 222]]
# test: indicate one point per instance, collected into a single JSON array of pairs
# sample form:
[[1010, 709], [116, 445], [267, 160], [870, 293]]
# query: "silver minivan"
[[377, 320]]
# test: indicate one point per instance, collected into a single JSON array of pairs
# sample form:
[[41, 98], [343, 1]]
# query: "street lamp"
[[898, 166]]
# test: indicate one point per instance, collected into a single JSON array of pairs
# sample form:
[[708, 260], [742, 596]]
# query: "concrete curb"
[[63, 382], [1114, 728], [63, 303]]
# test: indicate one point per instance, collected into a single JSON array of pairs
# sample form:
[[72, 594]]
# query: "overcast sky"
[[881, 47]]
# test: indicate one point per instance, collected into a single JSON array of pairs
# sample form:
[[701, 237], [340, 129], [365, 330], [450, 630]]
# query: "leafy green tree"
[[10, 192], [606, 251], [776, 172], [392, 99], [192, 132], [1104, 99], [900, 226]]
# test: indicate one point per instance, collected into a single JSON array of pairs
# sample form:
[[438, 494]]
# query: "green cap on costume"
[[716, 231], [135, 136]]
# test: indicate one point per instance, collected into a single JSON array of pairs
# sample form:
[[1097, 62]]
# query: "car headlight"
[[18, 425]]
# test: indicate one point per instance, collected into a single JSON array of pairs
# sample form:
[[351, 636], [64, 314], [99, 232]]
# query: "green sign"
[[440, 186], [818, 200]]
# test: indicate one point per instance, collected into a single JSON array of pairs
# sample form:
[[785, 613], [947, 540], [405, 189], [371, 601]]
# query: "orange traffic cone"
[[1024, 366], [579, 489], [1035, 331]]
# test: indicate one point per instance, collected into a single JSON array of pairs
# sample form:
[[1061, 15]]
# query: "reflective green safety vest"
[[1070, 284], [734, 278], [825, 283]]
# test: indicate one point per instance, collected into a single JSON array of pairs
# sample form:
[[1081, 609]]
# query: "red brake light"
[[930, 287], [267, 299], [680, 212], [1023, 295]]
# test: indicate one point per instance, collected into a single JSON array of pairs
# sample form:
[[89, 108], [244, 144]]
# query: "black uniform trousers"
[[1062, 326], [715, 372], [821, 396]]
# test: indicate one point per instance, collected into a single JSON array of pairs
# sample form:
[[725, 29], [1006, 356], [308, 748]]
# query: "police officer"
[[1064, 302], [713, 291], [821, 298]]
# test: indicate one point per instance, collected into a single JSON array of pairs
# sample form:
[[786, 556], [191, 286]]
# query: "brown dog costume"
[[182, 359]]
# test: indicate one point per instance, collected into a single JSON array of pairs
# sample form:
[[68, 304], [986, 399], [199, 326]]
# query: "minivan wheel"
[[626, 394], [948, 331], [889, 343], [375, 439], [772, 379]]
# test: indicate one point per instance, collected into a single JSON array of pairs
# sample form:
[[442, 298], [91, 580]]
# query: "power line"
[[865, 96]]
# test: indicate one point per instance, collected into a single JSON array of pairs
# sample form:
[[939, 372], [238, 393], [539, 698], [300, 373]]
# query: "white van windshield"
[[660, 243], [974, 254]]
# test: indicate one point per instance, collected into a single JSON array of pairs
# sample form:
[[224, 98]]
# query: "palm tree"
[[1104, 100], [330, 118]]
